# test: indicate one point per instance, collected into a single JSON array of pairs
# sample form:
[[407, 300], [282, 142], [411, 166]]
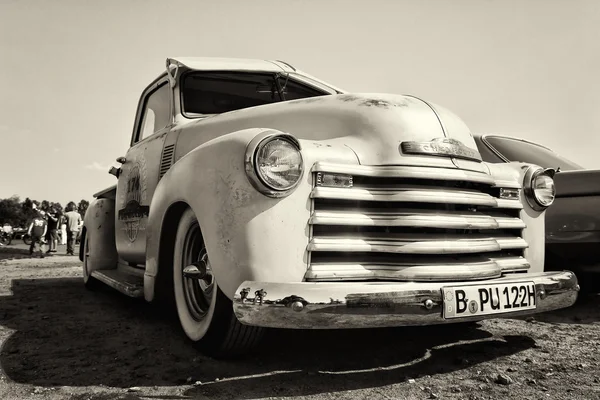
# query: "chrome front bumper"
[[326, 305]]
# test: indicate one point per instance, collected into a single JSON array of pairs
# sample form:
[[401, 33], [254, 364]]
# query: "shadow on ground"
[[21, 251], [66, 335], [11, 253]]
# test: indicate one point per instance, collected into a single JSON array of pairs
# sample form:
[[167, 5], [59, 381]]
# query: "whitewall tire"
[[205, 313]]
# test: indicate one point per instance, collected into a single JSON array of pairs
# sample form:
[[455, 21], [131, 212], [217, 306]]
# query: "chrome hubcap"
[[198, 281]]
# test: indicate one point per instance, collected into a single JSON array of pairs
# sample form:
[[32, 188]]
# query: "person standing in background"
[[37, 231], [7, 228], [52, 235], [63, 230], [73, 220]]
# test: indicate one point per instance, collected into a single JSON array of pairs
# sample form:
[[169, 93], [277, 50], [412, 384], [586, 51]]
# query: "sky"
[[71, 71]]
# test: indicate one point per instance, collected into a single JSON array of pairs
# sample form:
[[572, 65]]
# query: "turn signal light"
[[509, 193], [327, 179]]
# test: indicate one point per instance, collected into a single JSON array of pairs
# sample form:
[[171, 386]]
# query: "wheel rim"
[[198, 293]]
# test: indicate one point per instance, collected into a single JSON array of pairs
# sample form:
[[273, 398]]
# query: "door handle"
[[121, 160]]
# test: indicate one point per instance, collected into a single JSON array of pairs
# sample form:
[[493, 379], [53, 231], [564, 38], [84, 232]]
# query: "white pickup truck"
[[256, 196]]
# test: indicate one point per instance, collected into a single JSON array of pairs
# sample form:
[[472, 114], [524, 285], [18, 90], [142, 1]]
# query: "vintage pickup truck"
[[256, 196]]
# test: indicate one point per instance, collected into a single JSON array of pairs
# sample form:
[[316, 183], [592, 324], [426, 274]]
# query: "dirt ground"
[[61, 341]]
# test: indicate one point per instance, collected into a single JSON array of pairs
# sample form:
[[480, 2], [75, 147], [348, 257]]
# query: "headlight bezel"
[[251, 166], [531, 175]]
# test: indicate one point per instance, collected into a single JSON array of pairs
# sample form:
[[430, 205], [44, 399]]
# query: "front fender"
[[99, 226], [248, 236], [534, 233]]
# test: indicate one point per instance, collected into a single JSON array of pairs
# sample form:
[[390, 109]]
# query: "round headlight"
[[279, 164], [539, 188], [543, 189], [274, 163]]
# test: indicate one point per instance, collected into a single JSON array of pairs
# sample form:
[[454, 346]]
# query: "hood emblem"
[[442, 147]]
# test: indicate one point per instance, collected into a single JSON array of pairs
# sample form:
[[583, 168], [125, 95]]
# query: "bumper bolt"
[[542, 294], [428, 304], [297, 306]]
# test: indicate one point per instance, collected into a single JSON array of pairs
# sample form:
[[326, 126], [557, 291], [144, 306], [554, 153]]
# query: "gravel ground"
[[61, 341]]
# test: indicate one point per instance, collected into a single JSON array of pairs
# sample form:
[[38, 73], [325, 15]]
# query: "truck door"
[[140, 171]]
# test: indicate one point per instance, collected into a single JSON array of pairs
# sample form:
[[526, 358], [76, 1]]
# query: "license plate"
[[474, 300]]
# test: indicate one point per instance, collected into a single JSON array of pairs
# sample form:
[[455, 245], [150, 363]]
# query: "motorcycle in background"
[[5, 238]]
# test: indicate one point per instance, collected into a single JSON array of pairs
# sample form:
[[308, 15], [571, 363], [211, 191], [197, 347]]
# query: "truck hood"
[[577, 183], [375, 126]]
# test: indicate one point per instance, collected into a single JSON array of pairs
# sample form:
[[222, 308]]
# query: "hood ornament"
[[442, 147]]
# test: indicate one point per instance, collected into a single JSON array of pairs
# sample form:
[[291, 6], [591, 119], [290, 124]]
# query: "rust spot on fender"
[[156, 137], [372, 102]]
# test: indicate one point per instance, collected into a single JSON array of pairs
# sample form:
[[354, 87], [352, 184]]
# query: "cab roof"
[[243, 64], [232, 64]]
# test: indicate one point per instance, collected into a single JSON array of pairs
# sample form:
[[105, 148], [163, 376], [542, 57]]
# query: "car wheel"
[[88, 280], [205, 313]]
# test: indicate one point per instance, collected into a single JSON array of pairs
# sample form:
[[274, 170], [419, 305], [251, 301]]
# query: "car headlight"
[[274, 163], [539, 187]]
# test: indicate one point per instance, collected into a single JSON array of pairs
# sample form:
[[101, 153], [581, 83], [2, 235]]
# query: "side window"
[[147, 124], [295, 91], [156, 112]]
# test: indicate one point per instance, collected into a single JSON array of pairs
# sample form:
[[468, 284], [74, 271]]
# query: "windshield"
[[219, 92], [518, 150]]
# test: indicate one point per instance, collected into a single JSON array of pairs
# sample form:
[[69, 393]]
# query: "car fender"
[[534, 233], [248, 235], [99, 227]]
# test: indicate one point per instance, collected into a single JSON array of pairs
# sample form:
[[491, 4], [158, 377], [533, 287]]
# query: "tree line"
[[19, 213]]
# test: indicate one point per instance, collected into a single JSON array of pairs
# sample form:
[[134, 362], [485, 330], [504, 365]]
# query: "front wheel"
[[205, 313], [27, 239]]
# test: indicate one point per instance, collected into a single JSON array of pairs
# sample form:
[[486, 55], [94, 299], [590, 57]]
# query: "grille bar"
[[424, 270], [395, 171], [432, 195], [413, 244], [416, 218]]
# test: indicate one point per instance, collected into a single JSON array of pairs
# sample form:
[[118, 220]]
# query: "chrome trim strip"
[[416, 271], [436, 196], [512, 243], [508, 203], [509, 264], [418, 218], [405, 246], [327, 305], [387, 171], [441, 147], [397, 272]]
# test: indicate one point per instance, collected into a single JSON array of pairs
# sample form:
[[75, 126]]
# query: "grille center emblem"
[[442, 147]]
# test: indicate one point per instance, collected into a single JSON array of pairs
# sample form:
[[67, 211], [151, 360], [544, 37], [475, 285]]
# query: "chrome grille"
[[413, 223]]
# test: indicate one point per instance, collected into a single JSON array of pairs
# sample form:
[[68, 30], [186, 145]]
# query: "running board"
[[128, 284]]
